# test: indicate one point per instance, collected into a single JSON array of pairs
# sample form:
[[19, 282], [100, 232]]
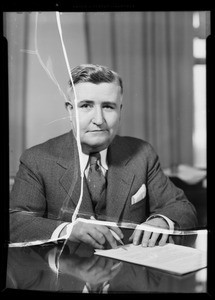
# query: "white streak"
[[143, 226], [76, 115]]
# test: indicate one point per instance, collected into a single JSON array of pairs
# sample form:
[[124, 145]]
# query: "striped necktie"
[[95, 179]]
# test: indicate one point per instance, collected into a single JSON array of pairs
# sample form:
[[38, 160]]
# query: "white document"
[[170, 257]]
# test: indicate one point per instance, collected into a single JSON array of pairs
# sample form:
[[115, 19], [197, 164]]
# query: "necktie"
[[95, 179]]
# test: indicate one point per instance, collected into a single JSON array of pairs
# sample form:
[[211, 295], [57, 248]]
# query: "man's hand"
[[94, 234], [149, 239]]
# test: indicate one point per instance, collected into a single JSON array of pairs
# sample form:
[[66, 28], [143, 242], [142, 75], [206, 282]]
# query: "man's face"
[[99, 110]]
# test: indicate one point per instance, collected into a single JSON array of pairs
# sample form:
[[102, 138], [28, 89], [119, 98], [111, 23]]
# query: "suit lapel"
[[119, 179], [71, 179], [119, 185]]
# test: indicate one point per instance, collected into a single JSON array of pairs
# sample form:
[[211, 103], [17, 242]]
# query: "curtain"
[[15, 25], [36, 107], [152, 51]]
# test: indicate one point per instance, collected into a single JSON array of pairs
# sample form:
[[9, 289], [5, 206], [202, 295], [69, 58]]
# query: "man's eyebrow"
[[86, 101], [109, 103]]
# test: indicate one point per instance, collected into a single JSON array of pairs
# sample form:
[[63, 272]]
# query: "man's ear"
[[69, 107], [120, 112]]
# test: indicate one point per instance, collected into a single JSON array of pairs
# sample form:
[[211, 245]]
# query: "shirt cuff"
[[55, 235], [169, 222], [57, 231]]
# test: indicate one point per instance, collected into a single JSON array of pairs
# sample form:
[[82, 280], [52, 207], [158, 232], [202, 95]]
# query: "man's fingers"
[[118, 231], [107, 235], [92, 234], [146, 237], [91, 240], [99, 236], [163, 240], [131, 237], [136, 236], [152, 241]]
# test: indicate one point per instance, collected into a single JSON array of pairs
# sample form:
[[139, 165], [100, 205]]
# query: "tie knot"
[[94, 157]]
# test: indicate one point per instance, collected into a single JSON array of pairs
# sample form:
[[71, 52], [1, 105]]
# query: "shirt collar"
[[103, 154], [85, 158]]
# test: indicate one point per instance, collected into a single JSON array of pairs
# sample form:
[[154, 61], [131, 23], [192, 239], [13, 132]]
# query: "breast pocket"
[[140, 205]]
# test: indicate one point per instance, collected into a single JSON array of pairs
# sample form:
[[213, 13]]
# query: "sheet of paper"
[[170, 257]]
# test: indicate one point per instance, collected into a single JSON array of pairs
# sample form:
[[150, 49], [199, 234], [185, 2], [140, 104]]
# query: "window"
[[200, 25]]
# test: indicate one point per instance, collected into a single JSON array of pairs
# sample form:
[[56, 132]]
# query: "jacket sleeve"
[[167, 199], [28, 206]]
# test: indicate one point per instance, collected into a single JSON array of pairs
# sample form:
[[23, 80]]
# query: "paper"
[[170, 257]]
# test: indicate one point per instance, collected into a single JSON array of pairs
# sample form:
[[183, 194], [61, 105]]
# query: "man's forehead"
[[91, 91], [97, 86]]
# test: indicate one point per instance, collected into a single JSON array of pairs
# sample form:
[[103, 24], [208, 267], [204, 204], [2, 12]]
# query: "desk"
[[34, 269]]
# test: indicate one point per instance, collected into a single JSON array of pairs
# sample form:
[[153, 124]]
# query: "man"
[[51, 176]]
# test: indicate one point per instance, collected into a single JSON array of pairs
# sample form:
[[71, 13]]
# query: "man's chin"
[[97, 145]]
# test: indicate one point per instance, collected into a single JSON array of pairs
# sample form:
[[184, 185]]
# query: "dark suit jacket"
[[47, 188]]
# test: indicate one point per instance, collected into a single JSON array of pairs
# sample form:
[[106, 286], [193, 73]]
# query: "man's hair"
[[95, 74]]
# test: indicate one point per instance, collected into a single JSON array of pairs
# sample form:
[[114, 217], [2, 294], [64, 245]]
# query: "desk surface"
[[68, 268]]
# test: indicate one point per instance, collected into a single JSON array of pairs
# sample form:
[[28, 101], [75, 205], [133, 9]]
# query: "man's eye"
[[86, 106], [108, 107]]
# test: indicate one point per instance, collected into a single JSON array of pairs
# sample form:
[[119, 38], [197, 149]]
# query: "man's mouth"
[[98, 130]]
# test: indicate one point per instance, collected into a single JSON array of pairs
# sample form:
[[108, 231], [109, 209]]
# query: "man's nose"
[[98, 117]]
